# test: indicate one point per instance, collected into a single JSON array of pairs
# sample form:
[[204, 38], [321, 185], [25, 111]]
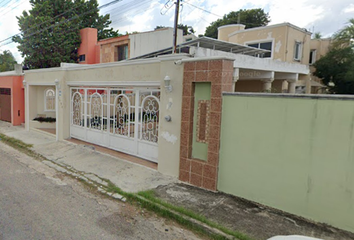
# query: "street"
[[36, 202]]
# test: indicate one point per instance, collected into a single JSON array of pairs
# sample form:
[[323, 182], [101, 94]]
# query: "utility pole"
[[175, 27]]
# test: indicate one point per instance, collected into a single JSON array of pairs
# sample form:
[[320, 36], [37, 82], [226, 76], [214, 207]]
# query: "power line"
[[136, 7], [123, 17], [9, 5], [12, 8], [5, 4], [204, 10]]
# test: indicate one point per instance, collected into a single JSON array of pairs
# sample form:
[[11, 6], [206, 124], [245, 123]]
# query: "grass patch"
[[21, 146], [163, 212], [148, 200], [150, 195], [13, 142]]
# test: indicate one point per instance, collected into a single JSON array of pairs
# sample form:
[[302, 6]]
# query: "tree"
[[186, 29], [317, 35], [336, 69], [7, 61], [345, 36], [50, 30], [249, 17]]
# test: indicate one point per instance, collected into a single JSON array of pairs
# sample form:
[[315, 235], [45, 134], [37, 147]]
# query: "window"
[[82, 58], [122, 52], [49, 100], [298, 51], [5, 91], [265, 46], [312, 58]]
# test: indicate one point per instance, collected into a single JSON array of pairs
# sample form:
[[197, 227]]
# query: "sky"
[[322, 16]]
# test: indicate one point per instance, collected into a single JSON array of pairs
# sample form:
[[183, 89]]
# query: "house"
[[122, 104], [251, 73], [181, 112], [285, 42], [12, 107], [125, 47]]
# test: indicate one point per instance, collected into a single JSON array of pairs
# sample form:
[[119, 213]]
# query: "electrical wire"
[[203, 9], [9, 5], [13, 8], [6, 3], [126, 8], [123, 18], [125, 11]]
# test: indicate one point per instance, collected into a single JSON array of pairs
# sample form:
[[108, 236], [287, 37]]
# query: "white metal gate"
[[123, 119]]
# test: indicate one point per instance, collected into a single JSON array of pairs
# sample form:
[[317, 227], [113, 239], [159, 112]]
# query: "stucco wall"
[[40, 92], [36, 82], [109, 48], [147, 42], [295, 35], [88, 45], [170, 105], [294, 154], [321, 46], [277, 35], [283, 38]]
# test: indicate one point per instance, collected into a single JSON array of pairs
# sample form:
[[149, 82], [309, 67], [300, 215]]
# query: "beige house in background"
[[287, 43]]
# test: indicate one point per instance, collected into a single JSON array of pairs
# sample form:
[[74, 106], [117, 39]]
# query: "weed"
[[21, 146], [150, 195]]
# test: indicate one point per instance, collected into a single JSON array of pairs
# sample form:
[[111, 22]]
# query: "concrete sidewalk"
[[252, 219], [128, 176]]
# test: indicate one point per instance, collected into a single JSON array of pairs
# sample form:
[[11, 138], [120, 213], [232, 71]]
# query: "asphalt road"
[[36, 202]]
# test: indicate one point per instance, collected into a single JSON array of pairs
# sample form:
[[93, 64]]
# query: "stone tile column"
[[203, 173]]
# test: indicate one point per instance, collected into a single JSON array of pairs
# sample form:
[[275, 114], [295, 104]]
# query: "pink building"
[[12, 104]]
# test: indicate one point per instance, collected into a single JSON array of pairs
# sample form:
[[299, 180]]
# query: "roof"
[[210, 43], [304, 30]]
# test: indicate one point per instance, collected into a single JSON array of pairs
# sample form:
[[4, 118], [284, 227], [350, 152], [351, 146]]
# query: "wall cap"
[[207, 59], [289, 95], [272, 26], [10, 73], [69, 67]]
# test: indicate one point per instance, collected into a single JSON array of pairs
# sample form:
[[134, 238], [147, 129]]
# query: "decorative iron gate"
[[123, 119], [5, 104]]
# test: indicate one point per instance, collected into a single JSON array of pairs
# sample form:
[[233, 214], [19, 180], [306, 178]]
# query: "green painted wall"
[[294, 154], [202, 92]]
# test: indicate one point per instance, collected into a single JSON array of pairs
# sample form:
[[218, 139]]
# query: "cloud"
[[9, 25], [349, 9]]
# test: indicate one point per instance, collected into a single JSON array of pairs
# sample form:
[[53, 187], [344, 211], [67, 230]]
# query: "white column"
[[267, 85], [57, 87], [291, 86], [27, 120]]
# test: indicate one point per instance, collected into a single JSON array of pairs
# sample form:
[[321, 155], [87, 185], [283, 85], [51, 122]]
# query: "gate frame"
[[106, 133]]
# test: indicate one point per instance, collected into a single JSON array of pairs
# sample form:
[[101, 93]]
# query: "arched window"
[[49, 100]]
